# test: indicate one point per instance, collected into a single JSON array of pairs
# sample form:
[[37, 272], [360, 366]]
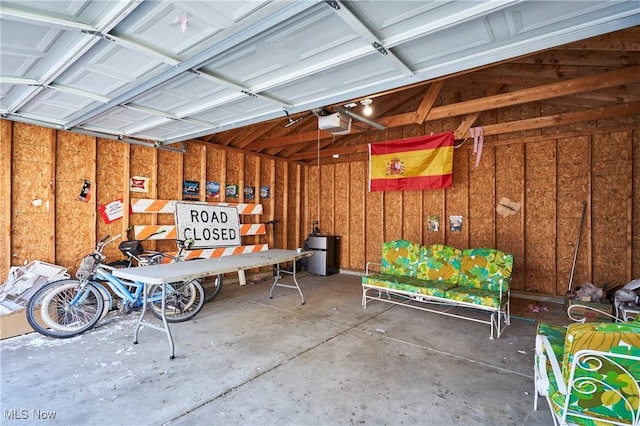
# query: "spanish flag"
[[424, 162]]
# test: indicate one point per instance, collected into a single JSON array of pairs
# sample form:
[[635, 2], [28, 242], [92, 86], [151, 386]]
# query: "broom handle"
[[575, 254]]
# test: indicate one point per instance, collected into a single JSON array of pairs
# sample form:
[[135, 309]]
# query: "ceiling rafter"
[[508, 127], [428, 101], [538, 93], [164, 73], [471, 118]]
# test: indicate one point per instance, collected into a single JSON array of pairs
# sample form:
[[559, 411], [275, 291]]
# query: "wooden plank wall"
[[51, 166], [552, 176]]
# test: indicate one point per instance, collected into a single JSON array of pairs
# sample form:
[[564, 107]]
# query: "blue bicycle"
[[69, 307]]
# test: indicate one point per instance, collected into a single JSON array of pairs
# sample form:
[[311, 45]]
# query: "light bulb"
[[366, 103]]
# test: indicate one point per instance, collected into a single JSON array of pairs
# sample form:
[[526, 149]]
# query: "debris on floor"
[[537, 308], [257, 279]]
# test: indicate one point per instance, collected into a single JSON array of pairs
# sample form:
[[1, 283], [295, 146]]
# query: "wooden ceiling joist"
[[539, 93], [428, 101], [581, 81], [508, 127]]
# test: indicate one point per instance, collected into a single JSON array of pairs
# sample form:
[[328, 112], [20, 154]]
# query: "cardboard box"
[[591, 311], [14, 324]]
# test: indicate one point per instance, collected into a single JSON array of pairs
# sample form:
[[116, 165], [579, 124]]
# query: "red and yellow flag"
[[424, 162]]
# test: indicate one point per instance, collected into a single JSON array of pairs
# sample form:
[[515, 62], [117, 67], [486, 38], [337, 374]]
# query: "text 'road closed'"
[[208, 225]]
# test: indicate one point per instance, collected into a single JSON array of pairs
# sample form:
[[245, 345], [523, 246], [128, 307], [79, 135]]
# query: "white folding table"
[[184, 271]]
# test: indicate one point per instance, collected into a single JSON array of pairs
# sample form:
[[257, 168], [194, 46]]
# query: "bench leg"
[[493, 321]]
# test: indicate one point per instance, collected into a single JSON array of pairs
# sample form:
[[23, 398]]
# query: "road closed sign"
[[208, 225]]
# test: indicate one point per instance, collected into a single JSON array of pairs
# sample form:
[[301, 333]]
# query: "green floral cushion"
[[609, 389], [477, 296], [400, 257], [485, 268], [408, 284], [556, 335], [439, 263], [618, 337]]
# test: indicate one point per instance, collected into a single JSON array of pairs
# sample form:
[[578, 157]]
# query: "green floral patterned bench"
[[441, 275], [589, 372]]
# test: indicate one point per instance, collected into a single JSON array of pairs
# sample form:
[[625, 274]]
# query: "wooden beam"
[[241, 180], [223, 176], [126, 194], [285, 206], [252, 133], [203, 173], [630, 179], [538, 93], [561, 119], [625, 40], [428, 101], [6, 136], [468, 121], [257, 182], [272, 201], [508, 127], [153, 192], [298, 201], [94, 200], [231, 149], [52, 194]]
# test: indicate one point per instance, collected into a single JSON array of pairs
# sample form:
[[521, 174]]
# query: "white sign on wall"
[[208, 225]]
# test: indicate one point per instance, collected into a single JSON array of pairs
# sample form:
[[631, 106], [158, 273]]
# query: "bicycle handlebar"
[[103, 242]]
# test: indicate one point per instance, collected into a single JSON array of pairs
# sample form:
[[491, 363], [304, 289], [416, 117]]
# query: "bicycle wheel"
[[184, 300], [212, 287], [65, 308], [107, 301]]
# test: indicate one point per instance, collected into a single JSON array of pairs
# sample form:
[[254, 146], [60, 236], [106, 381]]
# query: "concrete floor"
[[250, 360]]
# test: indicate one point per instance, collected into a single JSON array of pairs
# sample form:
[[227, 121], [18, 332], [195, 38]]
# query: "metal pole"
[[575, 254]]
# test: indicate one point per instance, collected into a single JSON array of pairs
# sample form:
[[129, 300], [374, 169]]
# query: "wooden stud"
[[94, 199], [126, 195], [203, 173], [272, 200], [223, 176], [241, 171], [6, 135], [494, 190], [523, 217], [467, 227], [629, 186], [298, 200], [284, 234], [153, 192], [53, 135], [589, 214], [256, 172]]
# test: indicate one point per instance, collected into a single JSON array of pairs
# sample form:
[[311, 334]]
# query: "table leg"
[[277, 278], [165, 323]]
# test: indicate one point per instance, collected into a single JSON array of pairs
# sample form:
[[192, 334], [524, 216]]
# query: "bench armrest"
[[544, 353], [366, 269], [588, 308]]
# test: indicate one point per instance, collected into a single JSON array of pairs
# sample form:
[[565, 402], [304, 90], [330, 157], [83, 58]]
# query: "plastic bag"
[[589, 293]]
